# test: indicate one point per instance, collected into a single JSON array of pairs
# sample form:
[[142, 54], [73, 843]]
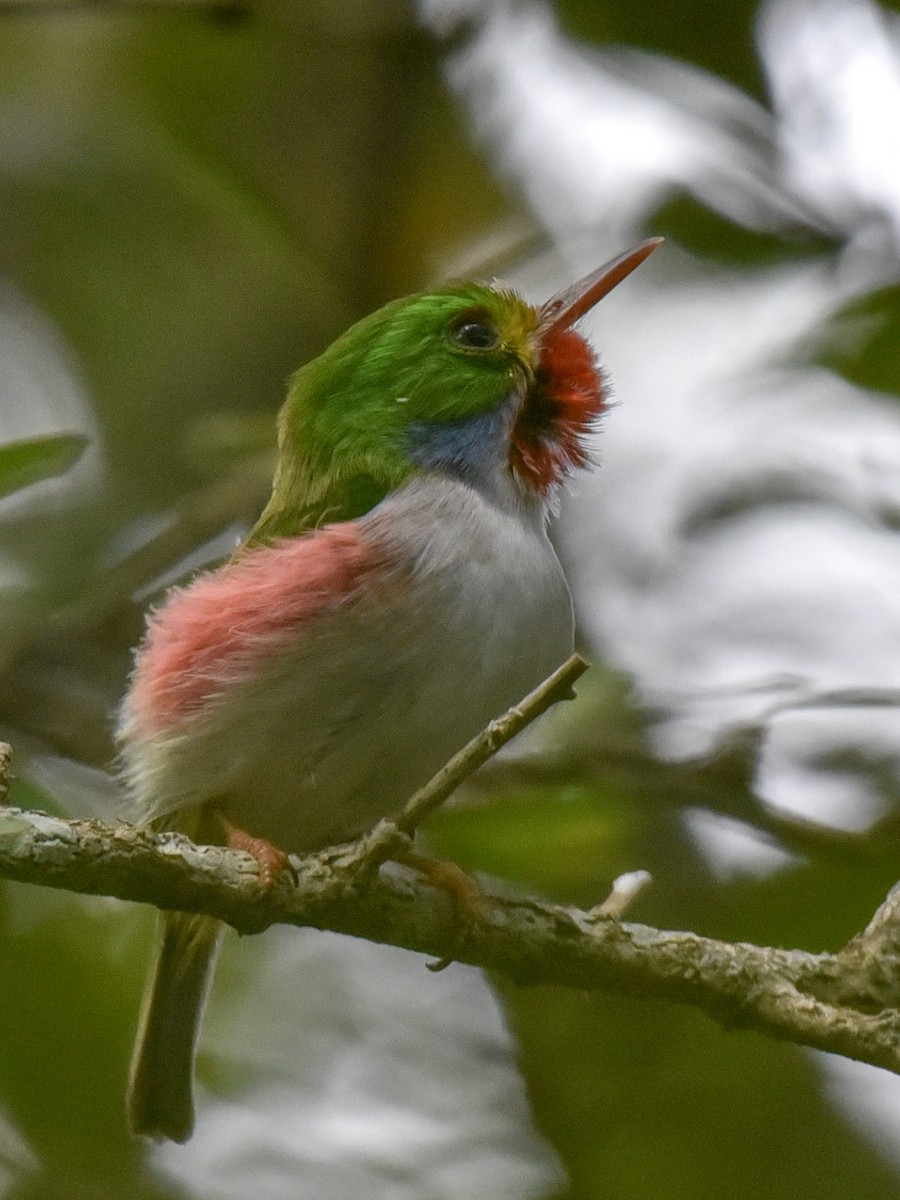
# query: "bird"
[[398, 592]]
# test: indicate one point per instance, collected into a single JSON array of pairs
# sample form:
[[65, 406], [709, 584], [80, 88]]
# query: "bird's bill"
[[567, 306]]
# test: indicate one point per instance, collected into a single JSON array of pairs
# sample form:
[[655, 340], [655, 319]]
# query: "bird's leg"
[[462, 889], [272, 862]]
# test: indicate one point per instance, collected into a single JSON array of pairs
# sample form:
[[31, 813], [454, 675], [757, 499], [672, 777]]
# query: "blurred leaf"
[[863, 343], [709, 35], [26, 462], [703, 232]]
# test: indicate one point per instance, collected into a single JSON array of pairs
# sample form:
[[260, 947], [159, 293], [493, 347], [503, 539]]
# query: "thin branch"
[[491, 740]]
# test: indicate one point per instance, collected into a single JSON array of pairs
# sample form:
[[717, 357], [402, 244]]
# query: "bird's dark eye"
[[474, 332]]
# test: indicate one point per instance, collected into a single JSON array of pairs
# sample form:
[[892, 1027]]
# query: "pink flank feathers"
[[215, 631]]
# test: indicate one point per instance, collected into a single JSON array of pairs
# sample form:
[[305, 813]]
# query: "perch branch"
[[846, 1002]]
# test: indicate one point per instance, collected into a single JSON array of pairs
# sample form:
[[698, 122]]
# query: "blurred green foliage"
[[22, 463], [863, 341], [718, 38]]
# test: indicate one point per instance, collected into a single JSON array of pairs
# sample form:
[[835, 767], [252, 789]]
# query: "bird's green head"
[[468, 379]]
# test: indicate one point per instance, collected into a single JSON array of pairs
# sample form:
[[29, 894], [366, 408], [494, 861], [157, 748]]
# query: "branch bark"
[[847, 1002]]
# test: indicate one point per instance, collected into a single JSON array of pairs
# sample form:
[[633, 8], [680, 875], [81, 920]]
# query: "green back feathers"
[[343, 433]]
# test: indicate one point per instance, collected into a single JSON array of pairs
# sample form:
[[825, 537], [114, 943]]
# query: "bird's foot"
[[271, 861], [462, 889]]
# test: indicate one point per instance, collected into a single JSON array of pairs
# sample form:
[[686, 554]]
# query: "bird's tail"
[[160, 1085]]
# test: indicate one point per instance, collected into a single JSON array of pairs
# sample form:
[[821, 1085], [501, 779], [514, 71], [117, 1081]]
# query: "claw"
[[271, 861], [463, 890]]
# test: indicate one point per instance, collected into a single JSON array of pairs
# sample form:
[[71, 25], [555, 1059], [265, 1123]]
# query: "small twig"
[[625, 890], [393, 836], [390, 838], [486, 744]]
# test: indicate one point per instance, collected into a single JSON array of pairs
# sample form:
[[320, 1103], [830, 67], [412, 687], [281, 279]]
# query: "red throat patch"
[[560, 410]]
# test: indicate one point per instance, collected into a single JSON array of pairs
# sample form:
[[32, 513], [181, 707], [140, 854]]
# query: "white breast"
[[338, 731]]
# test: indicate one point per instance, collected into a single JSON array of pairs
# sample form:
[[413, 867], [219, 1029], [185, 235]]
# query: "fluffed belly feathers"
[[456, 609]]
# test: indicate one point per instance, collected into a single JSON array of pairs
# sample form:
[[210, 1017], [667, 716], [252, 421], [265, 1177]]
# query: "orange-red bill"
[[567, 306]]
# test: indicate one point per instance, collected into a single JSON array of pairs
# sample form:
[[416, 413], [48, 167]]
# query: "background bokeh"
[[194, 198]]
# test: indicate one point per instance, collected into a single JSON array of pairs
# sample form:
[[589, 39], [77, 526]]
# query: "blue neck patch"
[[472, 450]]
